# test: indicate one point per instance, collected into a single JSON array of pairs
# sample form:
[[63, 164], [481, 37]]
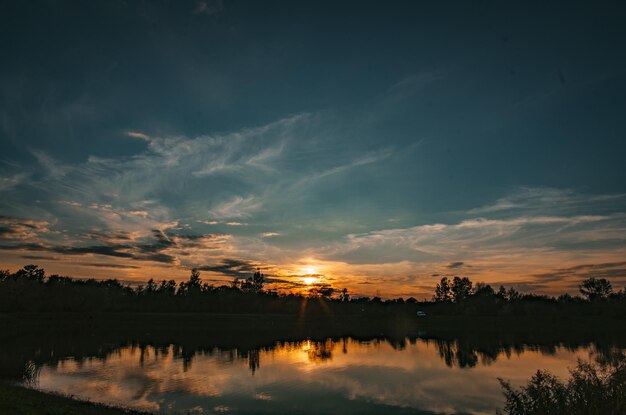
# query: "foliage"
[[596, 289], [442, 291], [593, 388], [461, 289]]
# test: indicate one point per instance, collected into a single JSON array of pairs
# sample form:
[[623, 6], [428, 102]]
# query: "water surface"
[[332, 376]]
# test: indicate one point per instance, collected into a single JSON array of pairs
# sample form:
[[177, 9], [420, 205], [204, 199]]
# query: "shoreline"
[[17, 399]]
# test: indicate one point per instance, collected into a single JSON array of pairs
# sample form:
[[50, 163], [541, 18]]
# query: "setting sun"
[[309, 280], [310, 274]]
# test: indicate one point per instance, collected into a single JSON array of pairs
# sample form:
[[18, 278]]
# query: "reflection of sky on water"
[[343, 376]]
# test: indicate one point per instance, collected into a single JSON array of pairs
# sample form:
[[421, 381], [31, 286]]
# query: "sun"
[[309, 274], [309, 280]]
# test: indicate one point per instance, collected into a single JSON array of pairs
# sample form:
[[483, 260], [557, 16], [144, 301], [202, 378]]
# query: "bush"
[[593, 388]]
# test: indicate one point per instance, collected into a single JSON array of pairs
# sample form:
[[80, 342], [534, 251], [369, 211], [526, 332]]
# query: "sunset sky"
[[376, 146]]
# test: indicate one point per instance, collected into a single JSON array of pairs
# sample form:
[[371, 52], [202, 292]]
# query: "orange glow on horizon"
[[309, 280]]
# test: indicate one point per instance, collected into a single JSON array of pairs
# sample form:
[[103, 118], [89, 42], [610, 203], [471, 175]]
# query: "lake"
[[335, 375]]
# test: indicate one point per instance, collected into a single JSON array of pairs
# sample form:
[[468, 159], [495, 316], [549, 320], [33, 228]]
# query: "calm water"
[[332, 376]]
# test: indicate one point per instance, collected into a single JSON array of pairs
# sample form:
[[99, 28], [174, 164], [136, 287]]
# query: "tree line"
[[30, 289], [460, 296]]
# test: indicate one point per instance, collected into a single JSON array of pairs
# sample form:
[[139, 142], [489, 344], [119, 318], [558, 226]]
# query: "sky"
[[377, 146]]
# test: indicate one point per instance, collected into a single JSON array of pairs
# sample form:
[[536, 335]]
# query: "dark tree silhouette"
[[596, 289], [257, 281], [442, 291], [32, 272], [512, 294], [483, 290], [194, 279], [461, 289]]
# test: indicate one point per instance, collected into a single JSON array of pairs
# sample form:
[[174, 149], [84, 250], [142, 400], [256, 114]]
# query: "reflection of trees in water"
[[254, 360], [22, 360], [466, 353], [454, 355], [319, 351]]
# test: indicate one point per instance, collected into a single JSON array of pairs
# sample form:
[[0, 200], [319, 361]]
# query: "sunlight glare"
[[309, 280], [309, 270]]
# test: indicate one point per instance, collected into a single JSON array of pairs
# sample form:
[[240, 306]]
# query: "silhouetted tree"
[[461, 289], [151, 286], [167, 287], [257, 281], [194, 279], [442, 290], [32, 272], [193, 285], [324, 291], [595, 289], [483, 290], [501, 292], [512, 294]]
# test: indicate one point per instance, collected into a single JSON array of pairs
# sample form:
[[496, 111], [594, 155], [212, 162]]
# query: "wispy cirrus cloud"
[[9, 182], [237, 207], [542, 199]]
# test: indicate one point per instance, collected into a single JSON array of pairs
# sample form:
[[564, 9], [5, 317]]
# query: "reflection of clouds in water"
[[417, 375]]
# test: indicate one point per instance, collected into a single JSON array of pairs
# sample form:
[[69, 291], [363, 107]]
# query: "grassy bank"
[[17, 400]]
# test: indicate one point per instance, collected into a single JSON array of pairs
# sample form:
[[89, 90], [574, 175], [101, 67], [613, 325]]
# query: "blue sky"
[[377, 146]]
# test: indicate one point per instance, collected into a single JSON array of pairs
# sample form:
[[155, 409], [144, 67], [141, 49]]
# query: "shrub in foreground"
[[593, 388]]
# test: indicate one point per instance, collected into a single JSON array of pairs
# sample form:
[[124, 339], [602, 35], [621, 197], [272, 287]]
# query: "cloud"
[[71, 203], [159, 247], [141, 213], [455, 265], [484, 236], [111, 236], [105, 265], [139, 135], [366, 159], [544, 199], [209, 222], [601, 270], [15, 228], [53, 167], [237, 207], [9, 182], [231, 267], [269, 234], [40, 257]]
